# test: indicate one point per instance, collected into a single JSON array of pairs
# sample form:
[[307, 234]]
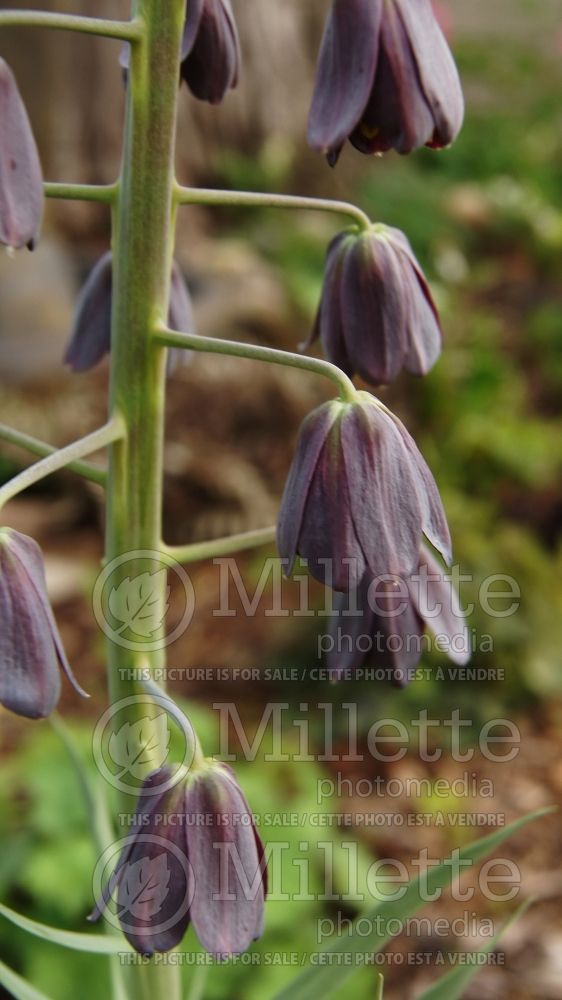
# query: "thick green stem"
[[251, 199], [232, 348], [36, 447], [127, 31], [108, 434], [142, 254], [221, 546]]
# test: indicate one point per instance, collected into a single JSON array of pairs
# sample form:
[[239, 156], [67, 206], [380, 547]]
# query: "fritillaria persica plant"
[[360, 503]]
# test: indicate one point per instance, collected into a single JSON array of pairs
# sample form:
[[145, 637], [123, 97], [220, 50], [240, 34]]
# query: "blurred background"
[[485, 219]]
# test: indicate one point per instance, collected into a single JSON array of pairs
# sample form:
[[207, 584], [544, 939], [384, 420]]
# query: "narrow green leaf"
[[325, 979], [17, 987], [379, 987], [97, 944], [453, 985]]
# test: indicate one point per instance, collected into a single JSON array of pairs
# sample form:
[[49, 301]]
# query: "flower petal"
[[228, 901], [21, 180], [384, 486], [312, 437], [345, 73]]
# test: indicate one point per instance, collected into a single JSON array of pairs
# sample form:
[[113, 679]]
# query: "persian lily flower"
[[31, 650], [392, 615], [90, 340], [386, 79], [21, 180], [359, 496], [198, 847], [376, 314], [210, 49]]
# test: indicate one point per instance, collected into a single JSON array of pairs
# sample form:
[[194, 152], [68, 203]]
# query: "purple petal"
[[439, 78], [155, 883], [329, 539], [434, 520], [191, 28], [21, 181], [329, 320], [180, 317], [373, 309], [90, 339], [29, 672], [397, 113], [384, 486], [228, 901], [213, 63], [312, 437], [438, 603], [31, 559], [345, 73], [423, 334]]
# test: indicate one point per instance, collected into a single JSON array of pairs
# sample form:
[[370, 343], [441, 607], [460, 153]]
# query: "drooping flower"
[[376, 314], [392, 615], [386, 79], [210, 49], [21, 180], [359, 496], [199, 851], [31, 651], [90, 339]]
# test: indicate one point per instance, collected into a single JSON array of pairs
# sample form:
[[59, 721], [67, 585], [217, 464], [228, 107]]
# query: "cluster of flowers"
[[359, 499]]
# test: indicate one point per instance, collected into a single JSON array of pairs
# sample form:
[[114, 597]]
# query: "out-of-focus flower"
[[386, 79], [358, 497], [200, 855], [21, 180], [90, 340], [31, 650], [210, 49], [392, 614], [376, 314]]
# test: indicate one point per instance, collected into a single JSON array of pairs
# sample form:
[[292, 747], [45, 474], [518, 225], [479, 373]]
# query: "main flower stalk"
[[143, 233]]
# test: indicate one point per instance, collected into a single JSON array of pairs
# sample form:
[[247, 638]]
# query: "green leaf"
[[453, 985], [97, 944], [19, 988], [324, 980], [92, 793]]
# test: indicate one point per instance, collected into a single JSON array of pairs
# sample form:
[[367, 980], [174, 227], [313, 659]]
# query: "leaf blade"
[[325, 979], [96, 944]]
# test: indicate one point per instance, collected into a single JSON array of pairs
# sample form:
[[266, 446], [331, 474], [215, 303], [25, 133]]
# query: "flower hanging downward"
[[31, 650], [198, 848], [90, 340], [210, 49], [359, 497], [376, 314], [386, 79], [21, 181], [392, 614]]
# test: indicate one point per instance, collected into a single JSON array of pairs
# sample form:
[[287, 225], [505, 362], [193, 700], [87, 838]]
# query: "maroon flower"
[[197, 858], [90, 340], [31, 650], [376, 314], [21, 181], [386, 79], [210, 49], [359, 496], [393, 613]]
